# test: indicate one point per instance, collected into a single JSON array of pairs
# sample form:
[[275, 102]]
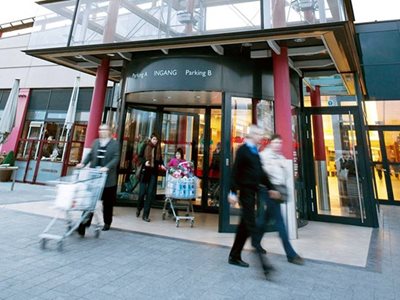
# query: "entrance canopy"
[[318, 35]]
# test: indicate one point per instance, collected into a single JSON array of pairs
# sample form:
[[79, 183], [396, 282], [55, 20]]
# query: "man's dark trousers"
[[109, 199], [247, 226]]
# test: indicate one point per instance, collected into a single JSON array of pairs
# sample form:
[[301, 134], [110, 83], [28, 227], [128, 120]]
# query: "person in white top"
[[273, 163]]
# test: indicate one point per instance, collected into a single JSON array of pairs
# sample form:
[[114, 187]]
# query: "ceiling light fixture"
[[300, 40]]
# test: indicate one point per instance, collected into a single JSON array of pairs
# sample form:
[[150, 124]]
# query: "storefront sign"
[[198, 73], [174, 74]]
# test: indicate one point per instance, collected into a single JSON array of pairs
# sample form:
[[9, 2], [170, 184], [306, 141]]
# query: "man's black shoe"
[[81, 230], [146, 219], [238, 262], [106, 227], [137, 213]]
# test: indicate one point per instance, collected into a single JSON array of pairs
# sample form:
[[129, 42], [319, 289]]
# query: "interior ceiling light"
[[154, 100], [300, 40]]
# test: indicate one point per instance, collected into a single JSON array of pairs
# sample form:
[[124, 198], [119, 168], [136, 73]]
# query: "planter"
[[5, 175]]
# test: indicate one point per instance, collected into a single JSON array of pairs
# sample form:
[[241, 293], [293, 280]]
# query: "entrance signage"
[[174, 74], [200, 73]]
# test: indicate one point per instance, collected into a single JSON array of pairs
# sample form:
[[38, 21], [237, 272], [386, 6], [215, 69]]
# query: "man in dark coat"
[[247, 176], [105, 156]]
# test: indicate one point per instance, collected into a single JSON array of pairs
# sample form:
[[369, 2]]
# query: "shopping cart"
[[179, 193], [77, 197]]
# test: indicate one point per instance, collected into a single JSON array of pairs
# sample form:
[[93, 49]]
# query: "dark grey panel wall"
[[202, 73], [379, 45]]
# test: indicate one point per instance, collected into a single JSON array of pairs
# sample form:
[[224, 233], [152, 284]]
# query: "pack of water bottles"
[[181, 188]]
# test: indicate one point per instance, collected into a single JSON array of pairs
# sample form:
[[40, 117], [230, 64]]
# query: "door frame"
[[365, 175], [160, 110], [385, 163]]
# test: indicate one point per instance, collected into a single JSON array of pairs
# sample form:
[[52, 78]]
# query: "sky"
[[364, 10]]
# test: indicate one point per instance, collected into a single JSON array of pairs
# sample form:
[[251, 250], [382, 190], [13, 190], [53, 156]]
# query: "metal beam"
[[91, 59], [291, 65], [218, 49], [274, 46], [126, 56], [306, 50], [317, 63], [260, 54]]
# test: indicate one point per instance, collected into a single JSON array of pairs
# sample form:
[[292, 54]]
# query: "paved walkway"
[[129, 265]]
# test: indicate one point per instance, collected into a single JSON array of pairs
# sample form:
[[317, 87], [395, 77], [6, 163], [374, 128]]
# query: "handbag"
[[343, 174], [282, 189]]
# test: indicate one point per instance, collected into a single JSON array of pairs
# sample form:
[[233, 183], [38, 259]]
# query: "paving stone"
[[128, 265]]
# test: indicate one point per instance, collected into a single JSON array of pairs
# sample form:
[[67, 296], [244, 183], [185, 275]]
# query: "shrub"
[[9, 159]]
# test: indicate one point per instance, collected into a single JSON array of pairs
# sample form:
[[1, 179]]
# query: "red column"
[[283, 114], [97, 105], [278, 13], [318, 127]]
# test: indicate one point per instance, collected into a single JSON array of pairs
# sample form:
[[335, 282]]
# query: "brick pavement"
[[130, 265], [127, 265]]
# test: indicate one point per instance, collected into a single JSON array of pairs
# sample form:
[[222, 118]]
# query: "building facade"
[[199, 81]]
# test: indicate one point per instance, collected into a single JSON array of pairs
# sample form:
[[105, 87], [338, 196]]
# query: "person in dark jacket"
[[152, 162], [104, 155], [247, 176]]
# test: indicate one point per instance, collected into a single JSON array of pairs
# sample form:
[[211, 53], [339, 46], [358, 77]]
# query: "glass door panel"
[[214, 163], [392, 167], [178, 131], [244, 113], [139, 125], [241, 121], [336, 176], [378, 171]]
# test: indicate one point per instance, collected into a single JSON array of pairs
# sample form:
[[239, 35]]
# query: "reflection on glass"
[[243, 111], [148, 19], [375, 146], [337, 185], [214, 189], [241, 121], [383, 112], [381, 189], [330, 101], [395, 180], [139, 125]]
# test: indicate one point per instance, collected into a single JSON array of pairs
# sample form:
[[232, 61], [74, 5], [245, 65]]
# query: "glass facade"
[[383, 112], [105, 21]]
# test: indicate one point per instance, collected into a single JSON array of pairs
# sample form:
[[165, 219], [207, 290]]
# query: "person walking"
[[104, 155], [247, 176], [152, 162], [273, 164]]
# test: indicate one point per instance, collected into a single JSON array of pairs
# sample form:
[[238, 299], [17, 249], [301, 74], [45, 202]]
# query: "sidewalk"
[[123, 264]]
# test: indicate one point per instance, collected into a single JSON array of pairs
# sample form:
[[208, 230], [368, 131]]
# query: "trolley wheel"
[[177, 223], [97, 233], [42, 243], [60, 245], [192, 223]]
